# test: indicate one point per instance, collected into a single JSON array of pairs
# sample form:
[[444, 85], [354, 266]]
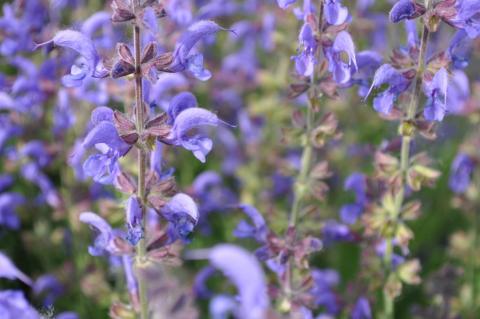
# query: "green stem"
[[473, 261], [301, 185], [404, 163], [139, 116]]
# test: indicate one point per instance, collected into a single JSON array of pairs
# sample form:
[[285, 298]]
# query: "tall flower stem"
[[142, 157], [301, 184], [405, 160]]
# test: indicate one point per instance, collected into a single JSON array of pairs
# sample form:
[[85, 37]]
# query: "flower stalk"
[[141, 165], [404, 164]]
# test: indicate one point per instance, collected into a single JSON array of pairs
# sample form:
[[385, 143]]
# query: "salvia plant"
[[251, 159]]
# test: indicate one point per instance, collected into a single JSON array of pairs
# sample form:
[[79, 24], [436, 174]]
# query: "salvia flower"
[[461, 172], [193, 62], [186, 117], [468, 17], [258, 230], [305, 60], [341, 58], [134, 220], [285, 3], [103, 166], [436, 91], [9, 202], [13, 304], [182, 214], [460, 49], [324, 283], [362, 309], [397, 84], [10, 271], [458, 92], [105, 240], [335, 13], [403, 9], [88, 63], [245, 272]]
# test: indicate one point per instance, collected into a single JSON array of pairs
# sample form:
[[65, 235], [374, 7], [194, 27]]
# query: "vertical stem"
[[139, 116], [307, 156], [404, 162]]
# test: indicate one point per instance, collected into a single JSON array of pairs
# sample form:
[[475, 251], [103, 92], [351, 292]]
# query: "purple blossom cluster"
[[221, 145]]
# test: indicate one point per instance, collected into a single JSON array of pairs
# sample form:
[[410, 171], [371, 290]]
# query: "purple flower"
[[367, 63], [397, 83], [341, 58], [357, 183], [222, 306], [362, 309], [13, 304], [460, 49], [397, 259], [285, 3], [105, 240], [335, 13], [458, 92], [10, 271], [305, 60], [183, 59], [324, 282], [87, 65], [349, 213], [245, 272], [182, 214], [132, 285], [134, 220], [334, 231], [180, 11], [258, 230], [186, 117], [49, 288], [436, 92], [200, 284], [468, 17], [211, 193], [103, 166], [403, 9], [461, 173], [8, 204]]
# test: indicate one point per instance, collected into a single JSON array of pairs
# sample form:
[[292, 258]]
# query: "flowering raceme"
[[239, 159]]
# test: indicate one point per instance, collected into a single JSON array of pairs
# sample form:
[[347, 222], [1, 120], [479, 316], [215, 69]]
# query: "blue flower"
[[134, 220], [106, 242], [468, 17], [305, 60], [10, 271], [183, 59], [362, 309], [335, 13], [186, 117], [403, 9], [461, 173], [397, 84], [324, 282], [341, 58], [88, 65], [182, 214], [258, 230], [460, 49], [245, 272], [436, 92], [103, 166], [13, 304], [8, 203], [285, 3]]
